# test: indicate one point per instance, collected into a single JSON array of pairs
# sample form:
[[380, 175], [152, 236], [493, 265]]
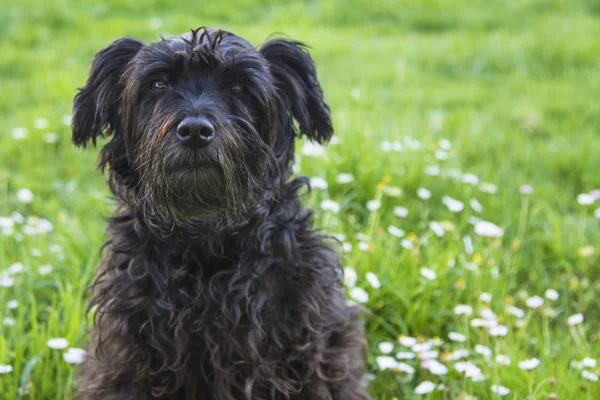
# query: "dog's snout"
[[195, 132]]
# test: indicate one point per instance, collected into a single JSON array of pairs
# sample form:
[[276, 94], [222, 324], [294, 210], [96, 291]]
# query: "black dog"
[[213, 285]]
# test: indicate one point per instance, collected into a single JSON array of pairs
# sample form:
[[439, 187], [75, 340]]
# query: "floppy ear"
[[96, 106], [296, 78]]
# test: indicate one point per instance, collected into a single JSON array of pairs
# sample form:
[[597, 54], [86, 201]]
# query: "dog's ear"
[[95, 108], [296, 78]]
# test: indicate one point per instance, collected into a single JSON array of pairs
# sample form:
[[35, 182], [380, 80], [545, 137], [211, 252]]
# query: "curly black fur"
[[213, 284]]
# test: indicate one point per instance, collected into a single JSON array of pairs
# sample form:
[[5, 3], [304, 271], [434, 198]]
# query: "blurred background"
[[462, 181]]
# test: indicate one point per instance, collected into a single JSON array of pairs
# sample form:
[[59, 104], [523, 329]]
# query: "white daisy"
[[428, 355], [344, 178], [12, 304], [498, 330], [411, 143], [373, 280], [434, 366], [330, 205], [488, 314], [25, 195], [441, 154], [421, 347], [401, 212], [318, 183], [386, 146], [373, 205], [552, 294], [386, 347], [445, 144], [534, 302], [458, 354], [502, 359], [45, 269], [483, 323], [526, 190], [17, 217], [363, 246], [488, 229], [489, 188], [516, 311], [359, 295], [41, 123], [432, 170], [51, 137], [483, 350], [529, 364], [457, 337], [392, 191], [386, 362], [350, 276], [500, 390], [425, 387], [575, 319], [463, 309], [423, 193], [16, 268], [6, 281], [407, 244], [475, 205], [405, 355], [407, 341], [311, 149], [397, 146], [5, 369], [395, 231], [428, 274], [585, 199], [590, 376], [74, 355], [437, 228], [6, 223], [589, 362], [468, 368], [19, 133], [471, 179], [66, 119], [403, 367], [57, 343], [485, 297], [453, 205]]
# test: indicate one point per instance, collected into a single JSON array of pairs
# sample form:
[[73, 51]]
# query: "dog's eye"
[[237, 88], [159, 85]]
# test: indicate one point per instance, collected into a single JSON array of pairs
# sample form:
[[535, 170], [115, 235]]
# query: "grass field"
[[492, 107]]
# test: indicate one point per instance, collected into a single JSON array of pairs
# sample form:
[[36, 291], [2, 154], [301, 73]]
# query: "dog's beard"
[[211, 185], [217, 184]]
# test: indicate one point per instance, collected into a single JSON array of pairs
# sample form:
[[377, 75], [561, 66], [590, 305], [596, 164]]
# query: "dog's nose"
[[195, 132]]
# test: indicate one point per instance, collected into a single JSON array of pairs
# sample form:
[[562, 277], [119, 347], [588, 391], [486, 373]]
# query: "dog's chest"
[[249, 327]]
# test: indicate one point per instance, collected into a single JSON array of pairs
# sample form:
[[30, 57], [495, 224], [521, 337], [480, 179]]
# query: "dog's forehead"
[[208, 38]]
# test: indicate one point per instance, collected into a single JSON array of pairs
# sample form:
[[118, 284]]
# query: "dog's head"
[[202, 126]]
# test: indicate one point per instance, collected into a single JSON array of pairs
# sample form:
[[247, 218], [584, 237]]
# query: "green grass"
[[513, 85]]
